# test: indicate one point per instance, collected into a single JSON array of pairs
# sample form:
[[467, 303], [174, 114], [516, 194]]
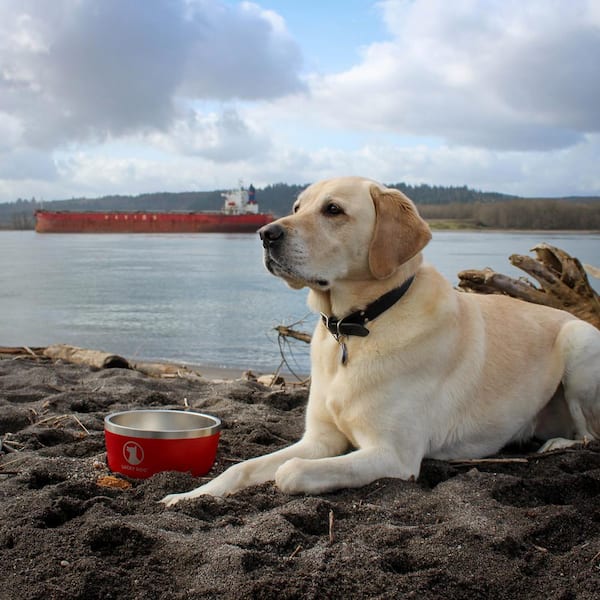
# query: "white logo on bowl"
[[133, 453]]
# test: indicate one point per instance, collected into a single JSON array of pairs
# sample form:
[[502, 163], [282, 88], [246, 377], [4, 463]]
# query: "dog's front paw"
[[173, 499], [292, 477], [216, 488]]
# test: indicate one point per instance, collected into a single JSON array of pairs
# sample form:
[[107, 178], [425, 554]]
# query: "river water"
[[198, 299]]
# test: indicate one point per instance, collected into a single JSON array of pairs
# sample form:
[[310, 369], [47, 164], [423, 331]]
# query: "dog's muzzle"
[[271, 235]]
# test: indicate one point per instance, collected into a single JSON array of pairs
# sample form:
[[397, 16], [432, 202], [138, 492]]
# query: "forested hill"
[[277, 198], [435, 202]]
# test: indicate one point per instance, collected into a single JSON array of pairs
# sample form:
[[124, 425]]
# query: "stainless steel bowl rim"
[[213, 426]]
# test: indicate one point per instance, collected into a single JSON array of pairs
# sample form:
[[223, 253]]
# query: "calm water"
[[199, 299]]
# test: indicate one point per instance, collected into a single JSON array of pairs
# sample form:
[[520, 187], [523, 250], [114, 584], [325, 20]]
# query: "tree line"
[[458, 203], [519, 214]]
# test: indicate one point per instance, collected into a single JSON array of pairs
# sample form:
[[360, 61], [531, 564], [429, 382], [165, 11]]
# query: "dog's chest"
[[341, 373], [345, 403], [340, 412]]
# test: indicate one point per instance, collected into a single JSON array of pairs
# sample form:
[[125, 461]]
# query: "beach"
[[519, 525]]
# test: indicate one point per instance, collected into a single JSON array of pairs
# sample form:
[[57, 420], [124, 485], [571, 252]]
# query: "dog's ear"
[[399, 232]]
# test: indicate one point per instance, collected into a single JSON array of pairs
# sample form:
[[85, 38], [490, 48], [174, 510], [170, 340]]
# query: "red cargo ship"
[[238, 215]]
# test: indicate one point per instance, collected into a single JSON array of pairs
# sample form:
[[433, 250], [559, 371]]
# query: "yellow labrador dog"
[[403, 365]]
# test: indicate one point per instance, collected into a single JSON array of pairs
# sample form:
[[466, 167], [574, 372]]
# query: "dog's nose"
[[271, 234]]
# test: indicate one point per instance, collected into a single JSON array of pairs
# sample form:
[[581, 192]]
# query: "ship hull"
[[147, 222]]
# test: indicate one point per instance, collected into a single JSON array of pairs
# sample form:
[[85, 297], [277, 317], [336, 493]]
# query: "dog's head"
[[349, 228]]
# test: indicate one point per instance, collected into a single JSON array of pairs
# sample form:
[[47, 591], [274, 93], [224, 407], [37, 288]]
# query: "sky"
[[105, 97]]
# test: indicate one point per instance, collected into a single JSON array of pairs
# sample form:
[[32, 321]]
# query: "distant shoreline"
[[433, 226], [510, 230]]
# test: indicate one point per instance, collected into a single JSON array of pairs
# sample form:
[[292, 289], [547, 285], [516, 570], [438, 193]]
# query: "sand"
[[528, 528]]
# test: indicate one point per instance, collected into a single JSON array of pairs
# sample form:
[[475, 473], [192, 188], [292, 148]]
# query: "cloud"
[[108, 96], [125, 171], [222, 137], [241, 52], [81, 70], [87, 172], [568, 171], [505, 75], [11, 131]]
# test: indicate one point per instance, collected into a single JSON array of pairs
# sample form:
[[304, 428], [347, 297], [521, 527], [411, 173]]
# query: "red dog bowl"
[[140, 443]]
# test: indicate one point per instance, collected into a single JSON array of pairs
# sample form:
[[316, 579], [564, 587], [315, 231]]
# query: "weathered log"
[[487, 281], [563, 282], [166, 370], [91, 358]]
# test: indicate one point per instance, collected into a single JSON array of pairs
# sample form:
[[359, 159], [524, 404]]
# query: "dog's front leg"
[[355, 469], [263, 468]]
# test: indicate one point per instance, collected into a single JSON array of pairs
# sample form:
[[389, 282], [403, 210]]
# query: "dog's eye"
[[333, 209], [296, 208]]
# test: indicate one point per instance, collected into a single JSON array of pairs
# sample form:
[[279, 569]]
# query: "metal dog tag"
[[343, 353]]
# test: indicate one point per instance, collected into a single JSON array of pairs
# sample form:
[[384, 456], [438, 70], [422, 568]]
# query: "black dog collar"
[[355, 323]]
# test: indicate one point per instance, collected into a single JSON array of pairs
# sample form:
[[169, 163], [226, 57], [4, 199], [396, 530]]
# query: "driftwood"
[[563, 282], [285, 331], [101, 360], [92, 358], [166, 370], [22, 350]]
